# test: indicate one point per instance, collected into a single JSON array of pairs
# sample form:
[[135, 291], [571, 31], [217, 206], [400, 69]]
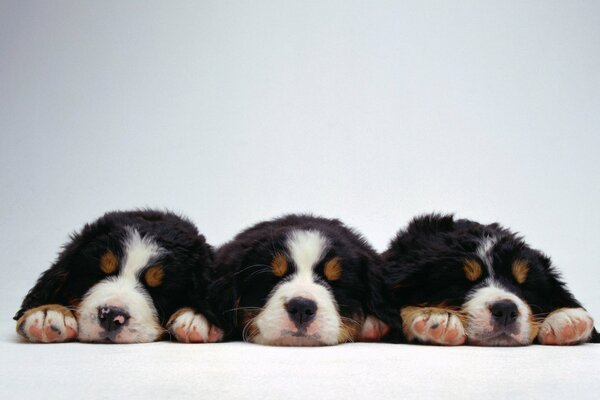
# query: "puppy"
[[296, 281], [119, 280], [458, 281]]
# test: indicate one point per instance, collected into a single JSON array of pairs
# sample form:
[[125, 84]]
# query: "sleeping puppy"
[[456, 281], [296, 281], [119, 280]]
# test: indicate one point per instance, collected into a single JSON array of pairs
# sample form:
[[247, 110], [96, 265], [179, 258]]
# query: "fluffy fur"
[[453, 281], [297, 280], [119, 280]]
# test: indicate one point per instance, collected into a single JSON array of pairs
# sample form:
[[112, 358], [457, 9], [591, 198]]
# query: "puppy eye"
[[154, 276], [472, 270], [279, 265], [520, 269], [108, 262], [333, 269]]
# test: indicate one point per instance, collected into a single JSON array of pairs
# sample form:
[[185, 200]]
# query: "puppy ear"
[[47, 289]]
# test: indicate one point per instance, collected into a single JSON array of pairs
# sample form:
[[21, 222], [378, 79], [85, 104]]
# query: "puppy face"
[[123, 276], [483, 275], [507, 280], [120, 306], [496, 288], [300, 289]]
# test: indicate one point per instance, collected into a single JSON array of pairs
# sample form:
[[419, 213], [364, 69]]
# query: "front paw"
[[566, 326], [49, 323], [373, 330], [433, 325], [187, 326]]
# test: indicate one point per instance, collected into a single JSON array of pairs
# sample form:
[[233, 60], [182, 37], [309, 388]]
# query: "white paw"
[[436, 326], [48, 324], [373, 329], [566, 326], [188, 326]]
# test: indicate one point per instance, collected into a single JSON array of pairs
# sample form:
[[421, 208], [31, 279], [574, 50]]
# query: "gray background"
[[230, 113]]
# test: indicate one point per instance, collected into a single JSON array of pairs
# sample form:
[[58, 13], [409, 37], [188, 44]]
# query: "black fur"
[[423, 266], [244, 277], [77, 269]]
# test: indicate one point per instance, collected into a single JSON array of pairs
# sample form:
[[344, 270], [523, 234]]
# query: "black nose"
[[504, 312], [112, 318], [301, 311]]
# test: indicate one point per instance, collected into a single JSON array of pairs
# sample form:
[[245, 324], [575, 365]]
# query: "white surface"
[[232, 112], [246, 371]]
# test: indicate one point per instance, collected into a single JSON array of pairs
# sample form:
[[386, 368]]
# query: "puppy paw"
[[49, 323], [373, 330], [187, 326], [433, 325], [566, 326]]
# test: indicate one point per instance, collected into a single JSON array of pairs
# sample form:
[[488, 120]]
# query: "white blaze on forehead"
[[306, 248], [484, 251], [138, 252]]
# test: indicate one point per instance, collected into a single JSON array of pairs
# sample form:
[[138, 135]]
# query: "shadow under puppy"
[[298, 280], [123, 278], [456, 281]]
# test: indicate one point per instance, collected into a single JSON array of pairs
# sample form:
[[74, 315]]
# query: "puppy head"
[[124, 281], [508, 280], [301, 289]]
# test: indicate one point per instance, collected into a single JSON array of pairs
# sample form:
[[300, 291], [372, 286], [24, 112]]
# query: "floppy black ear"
[[47, 288]]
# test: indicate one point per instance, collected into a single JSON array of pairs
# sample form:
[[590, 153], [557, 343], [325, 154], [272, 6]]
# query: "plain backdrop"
[[233, 112]]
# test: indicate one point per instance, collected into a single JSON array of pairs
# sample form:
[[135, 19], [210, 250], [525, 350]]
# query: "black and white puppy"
[[298, 280], [123, 278], [456, 281]]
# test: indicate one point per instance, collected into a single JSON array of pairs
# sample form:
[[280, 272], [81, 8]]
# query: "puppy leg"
[[433, 325], [187, 326], [566, 326], [49, 323]]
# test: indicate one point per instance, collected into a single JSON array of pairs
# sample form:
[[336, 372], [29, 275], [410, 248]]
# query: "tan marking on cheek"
[[333, 269], [534, 326], [108, 262], [154, 276], [249, 328], [350, 329], [472, 270], [279, 265], [520, 269]]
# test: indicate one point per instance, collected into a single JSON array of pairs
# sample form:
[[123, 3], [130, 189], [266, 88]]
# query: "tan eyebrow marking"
[[108, 262], [472, 269], [333, 269], [154, 275], [520, 269], [279, 264]]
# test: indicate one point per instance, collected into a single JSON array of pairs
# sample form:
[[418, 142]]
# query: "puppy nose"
[[301, 311], [504, 312], [112, 318]]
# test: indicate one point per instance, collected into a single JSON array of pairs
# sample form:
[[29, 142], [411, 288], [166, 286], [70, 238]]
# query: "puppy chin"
[[285, 333], [90, 331], [483, 332], [496, 338]]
